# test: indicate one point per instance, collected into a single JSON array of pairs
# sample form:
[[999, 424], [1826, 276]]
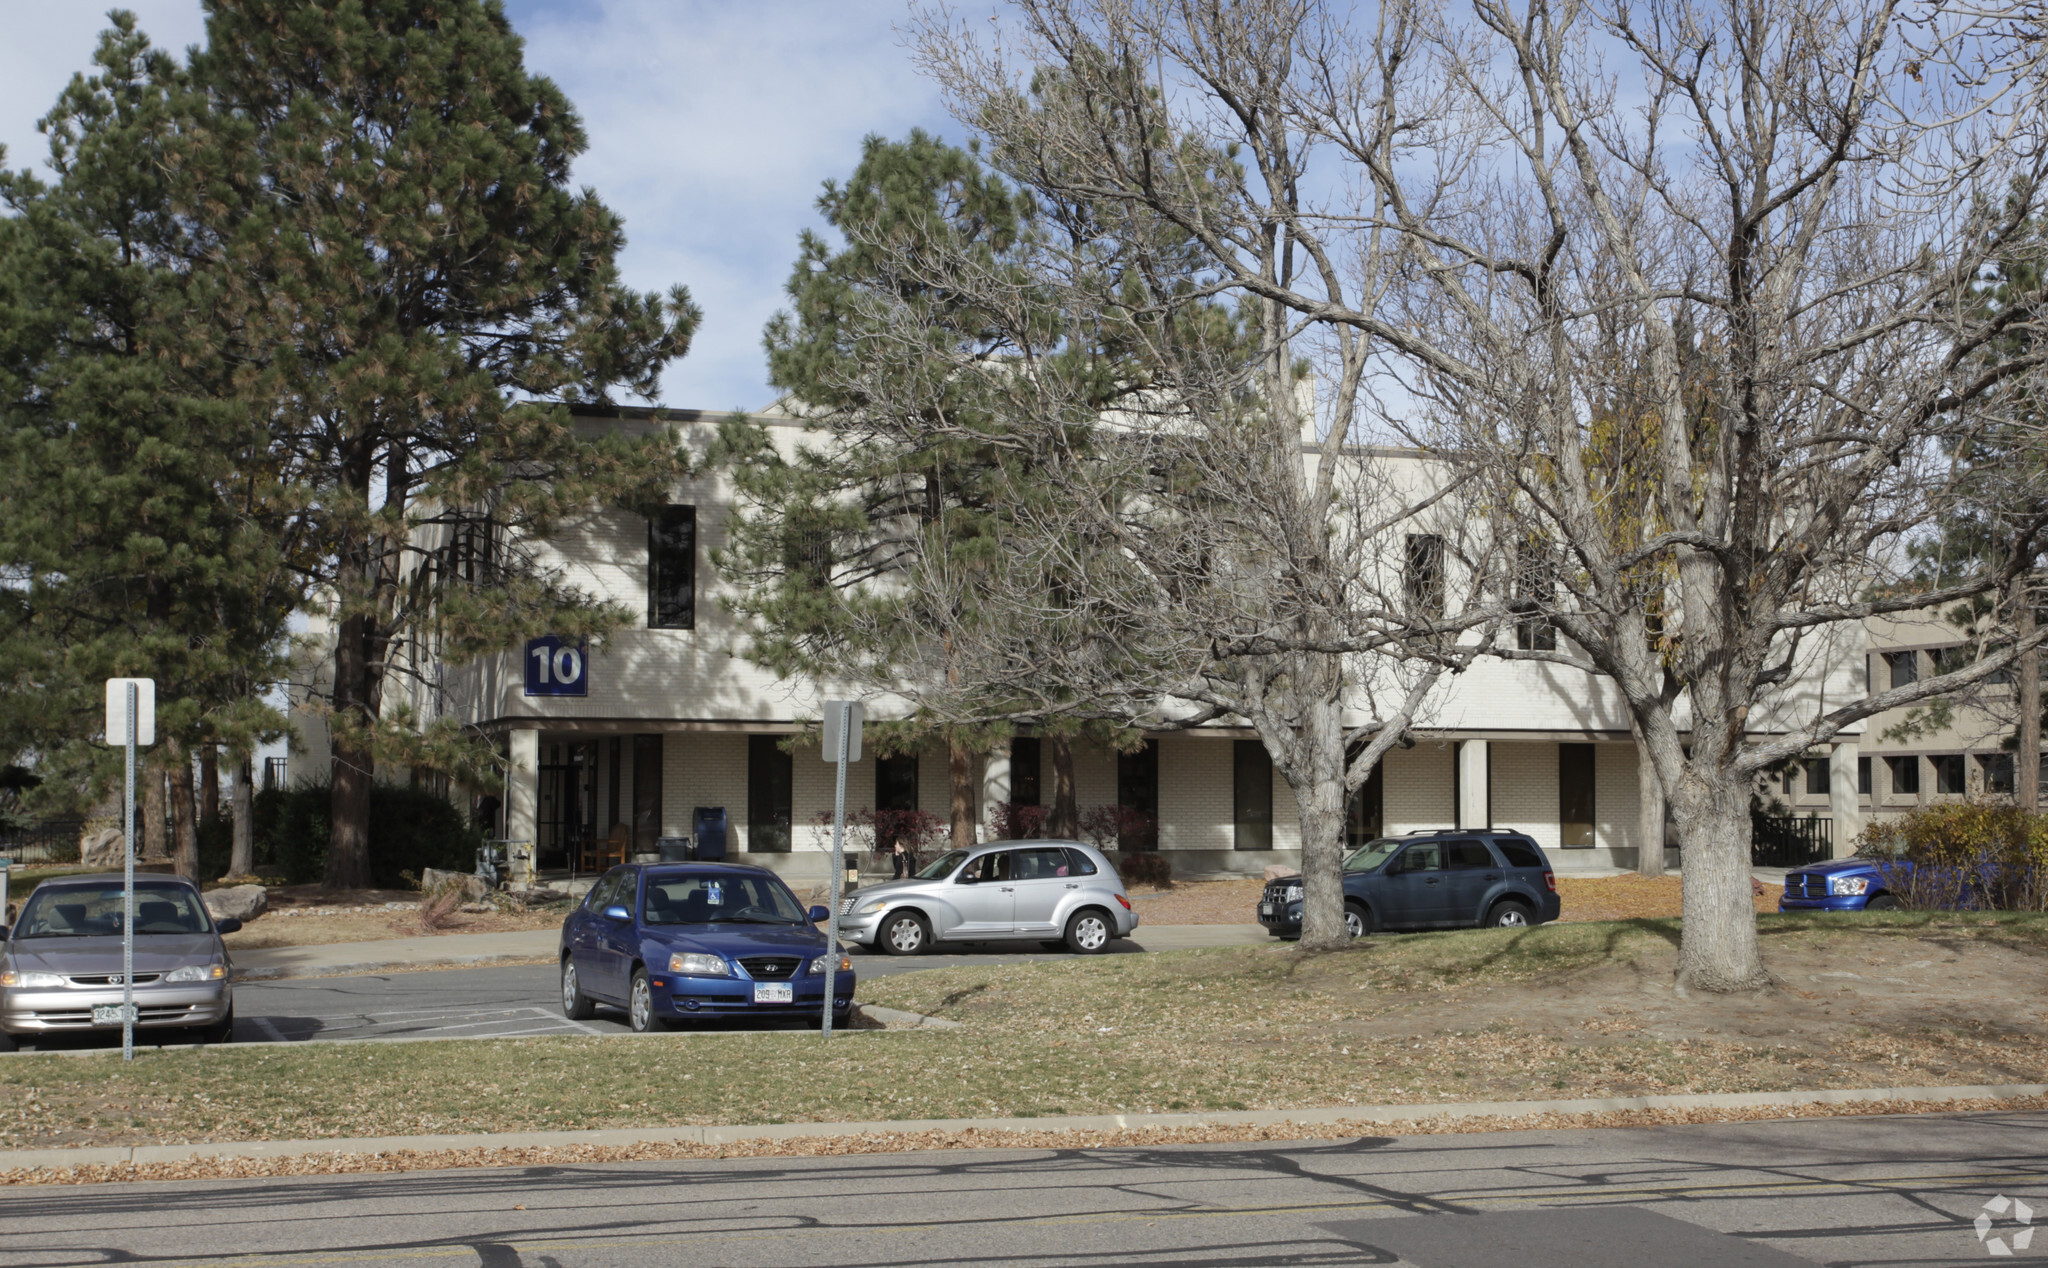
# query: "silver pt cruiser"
[[61, 967], [1061, 893]]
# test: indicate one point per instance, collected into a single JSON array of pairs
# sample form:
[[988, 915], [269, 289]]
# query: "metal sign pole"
[[128, 895], [838, 868]]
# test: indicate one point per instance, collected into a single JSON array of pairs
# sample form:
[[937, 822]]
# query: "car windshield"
[[89, 911], [942, 865], [711, 900], [1370, 855]]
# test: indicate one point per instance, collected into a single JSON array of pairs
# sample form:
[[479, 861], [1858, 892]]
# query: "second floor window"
[[1422, 575], [672, 569], [1905, 667]]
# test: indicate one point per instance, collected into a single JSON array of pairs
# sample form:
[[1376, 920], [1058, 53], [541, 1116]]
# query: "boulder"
[[101, 849], [237, 902], [472, 887], [1278, 871]]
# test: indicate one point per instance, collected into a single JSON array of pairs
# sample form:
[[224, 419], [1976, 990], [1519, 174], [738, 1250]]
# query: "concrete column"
[[1472, 790], [522, 787], [995, 780], [1845, 805]]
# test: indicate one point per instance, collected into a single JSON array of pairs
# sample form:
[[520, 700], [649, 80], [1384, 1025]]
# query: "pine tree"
[[129, 474], [387, 191]]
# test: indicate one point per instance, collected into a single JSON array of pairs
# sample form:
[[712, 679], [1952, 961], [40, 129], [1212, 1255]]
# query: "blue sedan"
[[688, 941]]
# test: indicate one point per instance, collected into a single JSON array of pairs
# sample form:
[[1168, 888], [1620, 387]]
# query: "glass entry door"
[[568, 802]]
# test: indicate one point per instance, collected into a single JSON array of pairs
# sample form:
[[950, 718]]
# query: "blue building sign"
[[556, 668]]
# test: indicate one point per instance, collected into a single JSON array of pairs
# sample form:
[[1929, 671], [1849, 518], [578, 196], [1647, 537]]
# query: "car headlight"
[[1291, 894], [873, 907], [1848, 884], [30, 977], [197, 973], [817, 968], [693, 964]]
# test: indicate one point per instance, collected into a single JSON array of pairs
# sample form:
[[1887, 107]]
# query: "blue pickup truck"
[[1853, 884]]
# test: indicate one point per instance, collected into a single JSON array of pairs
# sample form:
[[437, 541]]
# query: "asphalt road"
[[500, 1001], [1850, 1191]]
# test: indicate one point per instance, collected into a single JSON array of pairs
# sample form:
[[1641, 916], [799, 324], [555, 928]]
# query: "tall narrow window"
[[771, 774], [1535, 586], [1253, 784], [614, 757], [1575, 795], [646, 792], [1137, 790], [1363, 814], [672, 569], [1026, 761], [1905, 667], [1863, 777], [1423, 574]]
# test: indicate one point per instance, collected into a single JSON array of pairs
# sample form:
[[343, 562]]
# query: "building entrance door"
[[568, 802]]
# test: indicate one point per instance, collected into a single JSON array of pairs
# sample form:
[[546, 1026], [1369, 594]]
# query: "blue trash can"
[[710, 824]]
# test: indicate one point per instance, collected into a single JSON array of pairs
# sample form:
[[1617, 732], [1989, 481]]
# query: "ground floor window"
[[1818, 782], [1905, 772], [1997, 772], [1252, 770], [771, 774], [1137, 789], [646, 792], [1948, 774], [1026, 762], [896, 782], [1863, 776], [1363, 817], [1575, 795]]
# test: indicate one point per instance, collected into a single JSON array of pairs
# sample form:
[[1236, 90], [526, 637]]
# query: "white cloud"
[[711, 127]]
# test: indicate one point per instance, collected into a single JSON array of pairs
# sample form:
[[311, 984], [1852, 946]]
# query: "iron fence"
[[51, 841], [1789, 841]]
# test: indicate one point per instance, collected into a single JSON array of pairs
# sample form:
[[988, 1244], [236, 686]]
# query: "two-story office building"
[[667, 724]]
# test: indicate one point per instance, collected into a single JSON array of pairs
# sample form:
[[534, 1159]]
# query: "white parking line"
[[269, 1027]]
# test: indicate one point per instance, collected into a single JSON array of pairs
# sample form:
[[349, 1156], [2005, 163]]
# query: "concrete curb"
[[722, 1134]]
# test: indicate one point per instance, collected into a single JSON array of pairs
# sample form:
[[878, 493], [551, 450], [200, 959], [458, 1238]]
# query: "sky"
[[711, 125]]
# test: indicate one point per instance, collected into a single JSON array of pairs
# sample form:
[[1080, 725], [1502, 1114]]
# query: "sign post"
[[842, 745], [131, 715]]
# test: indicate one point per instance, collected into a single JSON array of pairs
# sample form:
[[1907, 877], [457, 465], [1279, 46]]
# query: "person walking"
[[901, 859]]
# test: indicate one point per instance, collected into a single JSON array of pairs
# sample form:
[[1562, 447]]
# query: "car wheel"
[[1509, 914], [640, 1004], [906, 933], [1357, 919], [1883, 902], [576, 1006], [1088, 933]]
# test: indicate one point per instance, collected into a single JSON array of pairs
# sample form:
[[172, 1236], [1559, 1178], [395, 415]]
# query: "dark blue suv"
[[1430, 879], [686, 941]]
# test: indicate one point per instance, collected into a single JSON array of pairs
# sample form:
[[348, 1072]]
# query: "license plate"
[[112, 1014], [774, 993], [1265, 909]]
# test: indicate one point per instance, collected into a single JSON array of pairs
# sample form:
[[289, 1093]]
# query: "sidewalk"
[[538, 946]]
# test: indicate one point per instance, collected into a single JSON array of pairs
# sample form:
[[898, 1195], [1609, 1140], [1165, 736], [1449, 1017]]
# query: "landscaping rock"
[[1277, 871], [101, 849], [472, 887], [237, 902]]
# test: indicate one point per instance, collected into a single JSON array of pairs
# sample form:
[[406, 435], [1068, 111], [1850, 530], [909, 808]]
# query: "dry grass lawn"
[[1590, 898], [1563, 1010]]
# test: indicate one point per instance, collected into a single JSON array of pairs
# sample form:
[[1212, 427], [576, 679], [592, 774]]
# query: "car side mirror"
[[965, 879], [616, 912], [819, 914], [227, 924]]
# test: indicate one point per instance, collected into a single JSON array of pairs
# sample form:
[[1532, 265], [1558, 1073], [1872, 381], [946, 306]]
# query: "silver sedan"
[[61, 968], [1061, 893]]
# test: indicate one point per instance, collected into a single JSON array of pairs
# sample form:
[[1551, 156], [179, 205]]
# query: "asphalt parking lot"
[[503, 1002]]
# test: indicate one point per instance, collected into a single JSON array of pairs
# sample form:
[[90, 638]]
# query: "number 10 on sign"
[[556, 668]]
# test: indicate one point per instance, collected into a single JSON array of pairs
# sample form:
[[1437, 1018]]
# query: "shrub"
[[1961, 857], [878, 830], [1148, 868], [410, 830], [1120, 828], [1010, 821]]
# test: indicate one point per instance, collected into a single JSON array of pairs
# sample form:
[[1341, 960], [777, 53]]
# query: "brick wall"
[[1525, 790], [1418, 787]]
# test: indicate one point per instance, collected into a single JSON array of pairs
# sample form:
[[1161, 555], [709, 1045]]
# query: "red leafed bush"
[[1013, 822]]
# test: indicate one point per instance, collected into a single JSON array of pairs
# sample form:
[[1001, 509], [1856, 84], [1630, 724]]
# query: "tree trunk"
[[2026, 765], [1649, 811], [355, 768], [155, 846], [184, 812], [1320, 805], [1063, 821], [960, 770], [1718, 950], [242, 860], [209, 782]]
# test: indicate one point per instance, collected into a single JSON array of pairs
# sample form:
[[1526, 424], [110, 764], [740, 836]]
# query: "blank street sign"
[[145, 711]]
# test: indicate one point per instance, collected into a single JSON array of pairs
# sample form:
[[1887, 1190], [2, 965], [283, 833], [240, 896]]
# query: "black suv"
[[1430, 878]]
